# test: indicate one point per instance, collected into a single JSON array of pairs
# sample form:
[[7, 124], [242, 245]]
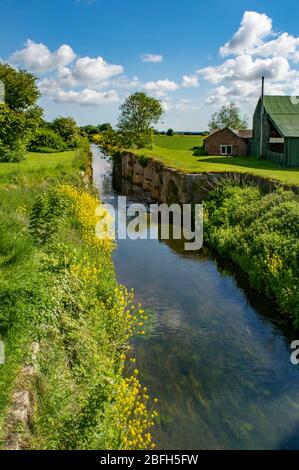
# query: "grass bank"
[[58, 289], [260, 233], [179, 152]]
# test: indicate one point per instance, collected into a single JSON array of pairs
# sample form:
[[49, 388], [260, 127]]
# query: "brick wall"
[[225, 137]]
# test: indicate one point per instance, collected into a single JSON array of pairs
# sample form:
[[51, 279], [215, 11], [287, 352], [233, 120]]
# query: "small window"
[[226, 149]]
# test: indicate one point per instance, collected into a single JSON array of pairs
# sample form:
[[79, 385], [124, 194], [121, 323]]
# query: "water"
[[216, 354]]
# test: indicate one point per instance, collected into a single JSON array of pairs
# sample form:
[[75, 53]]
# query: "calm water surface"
[[215, 353]]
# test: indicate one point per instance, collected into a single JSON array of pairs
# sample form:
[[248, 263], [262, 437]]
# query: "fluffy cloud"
[[38, 58], [246, 68], [190, 81], [254, 27], [86, 97], [161, 87], [85, 81], [94, 70], [155, 58], [256, 51]]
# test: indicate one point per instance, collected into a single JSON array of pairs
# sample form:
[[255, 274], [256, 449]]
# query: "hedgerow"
[[260, 233]]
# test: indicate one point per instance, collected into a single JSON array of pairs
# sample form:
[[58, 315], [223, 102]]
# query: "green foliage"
[[104, 127], [19, 116], [21, 91], [260, 233], [138, 114], [228, 116], [48, 213], [46, 138], [110, 141], [58, 288], [68, 129], [170, 132]]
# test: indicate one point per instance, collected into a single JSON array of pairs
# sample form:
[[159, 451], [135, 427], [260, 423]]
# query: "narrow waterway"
[[215, 353]]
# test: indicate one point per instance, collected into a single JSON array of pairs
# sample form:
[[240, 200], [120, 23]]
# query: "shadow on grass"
[[249, 162], [198, 151]]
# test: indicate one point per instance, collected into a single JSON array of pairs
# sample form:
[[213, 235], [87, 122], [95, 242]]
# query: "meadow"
[[180, 152]]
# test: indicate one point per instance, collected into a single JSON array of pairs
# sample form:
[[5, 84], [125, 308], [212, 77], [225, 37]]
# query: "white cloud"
[[190, 81], [94, 70], [86, 97], [38, 58], [244, 67], [257, 51], [161, 87], [155, 58], [253, 29]]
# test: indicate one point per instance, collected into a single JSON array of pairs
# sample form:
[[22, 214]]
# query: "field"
[[178, 152], [42, 164]]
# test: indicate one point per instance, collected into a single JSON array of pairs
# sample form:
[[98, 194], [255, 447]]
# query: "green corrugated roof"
[[284, 112]]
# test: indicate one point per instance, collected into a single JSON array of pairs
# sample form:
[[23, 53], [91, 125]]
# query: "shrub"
[[260, 233], [46, 138]]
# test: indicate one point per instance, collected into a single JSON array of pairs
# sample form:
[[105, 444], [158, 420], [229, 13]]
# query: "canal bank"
[[168, 185]]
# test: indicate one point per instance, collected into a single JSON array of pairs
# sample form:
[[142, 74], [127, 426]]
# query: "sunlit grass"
[[178, 152]]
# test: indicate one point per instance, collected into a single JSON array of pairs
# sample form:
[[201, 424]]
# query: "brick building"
[[228, 142]]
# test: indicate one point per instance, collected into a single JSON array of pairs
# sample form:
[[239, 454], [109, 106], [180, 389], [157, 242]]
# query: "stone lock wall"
[[167, 185]]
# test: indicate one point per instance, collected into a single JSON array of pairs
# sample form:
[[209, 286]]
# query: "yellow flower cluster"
[[130, 410], [274, 264], [135, 421], [125, 312], [91, 216]]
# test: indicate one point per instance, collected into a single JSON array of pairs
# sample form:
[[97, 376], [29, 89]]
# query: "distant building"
[[228, 142], [280, 130]]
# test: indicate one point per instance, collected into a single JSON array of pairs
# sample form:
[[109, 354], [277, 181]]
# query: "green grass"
[[178, 152], [42, 164]]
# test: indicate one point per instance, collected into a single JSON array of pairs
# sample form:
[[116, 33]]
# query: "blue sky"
[[193, 55]]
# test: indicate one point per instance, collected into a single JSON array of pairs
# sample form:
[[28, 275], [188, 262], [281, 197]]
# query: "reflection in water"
[[215, 354]]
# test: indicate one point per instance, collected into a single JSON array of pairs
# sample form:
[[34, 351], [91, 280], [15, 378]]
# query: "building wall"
[[293, 152], [279, 158], [225, 137]]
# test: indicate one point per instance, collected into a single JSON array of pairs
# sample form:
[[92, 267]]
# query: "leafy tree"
[[138, 114], [170, 132], [67, 128], [19, 116], [110, 141], [228, 116], [104, 127], [16, 129], [21, 92]]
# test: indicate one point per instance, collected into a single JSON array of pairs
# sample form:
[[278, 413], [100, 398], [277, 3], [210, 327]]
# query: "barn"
[[228, 142], [276, 130]]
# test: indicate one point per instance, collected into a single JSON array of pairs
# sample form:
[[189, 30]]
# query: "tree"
[[170, 132], [21, 92], [138, 114], [228, 116], [19, 116], [105, 127], [67, 128]]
